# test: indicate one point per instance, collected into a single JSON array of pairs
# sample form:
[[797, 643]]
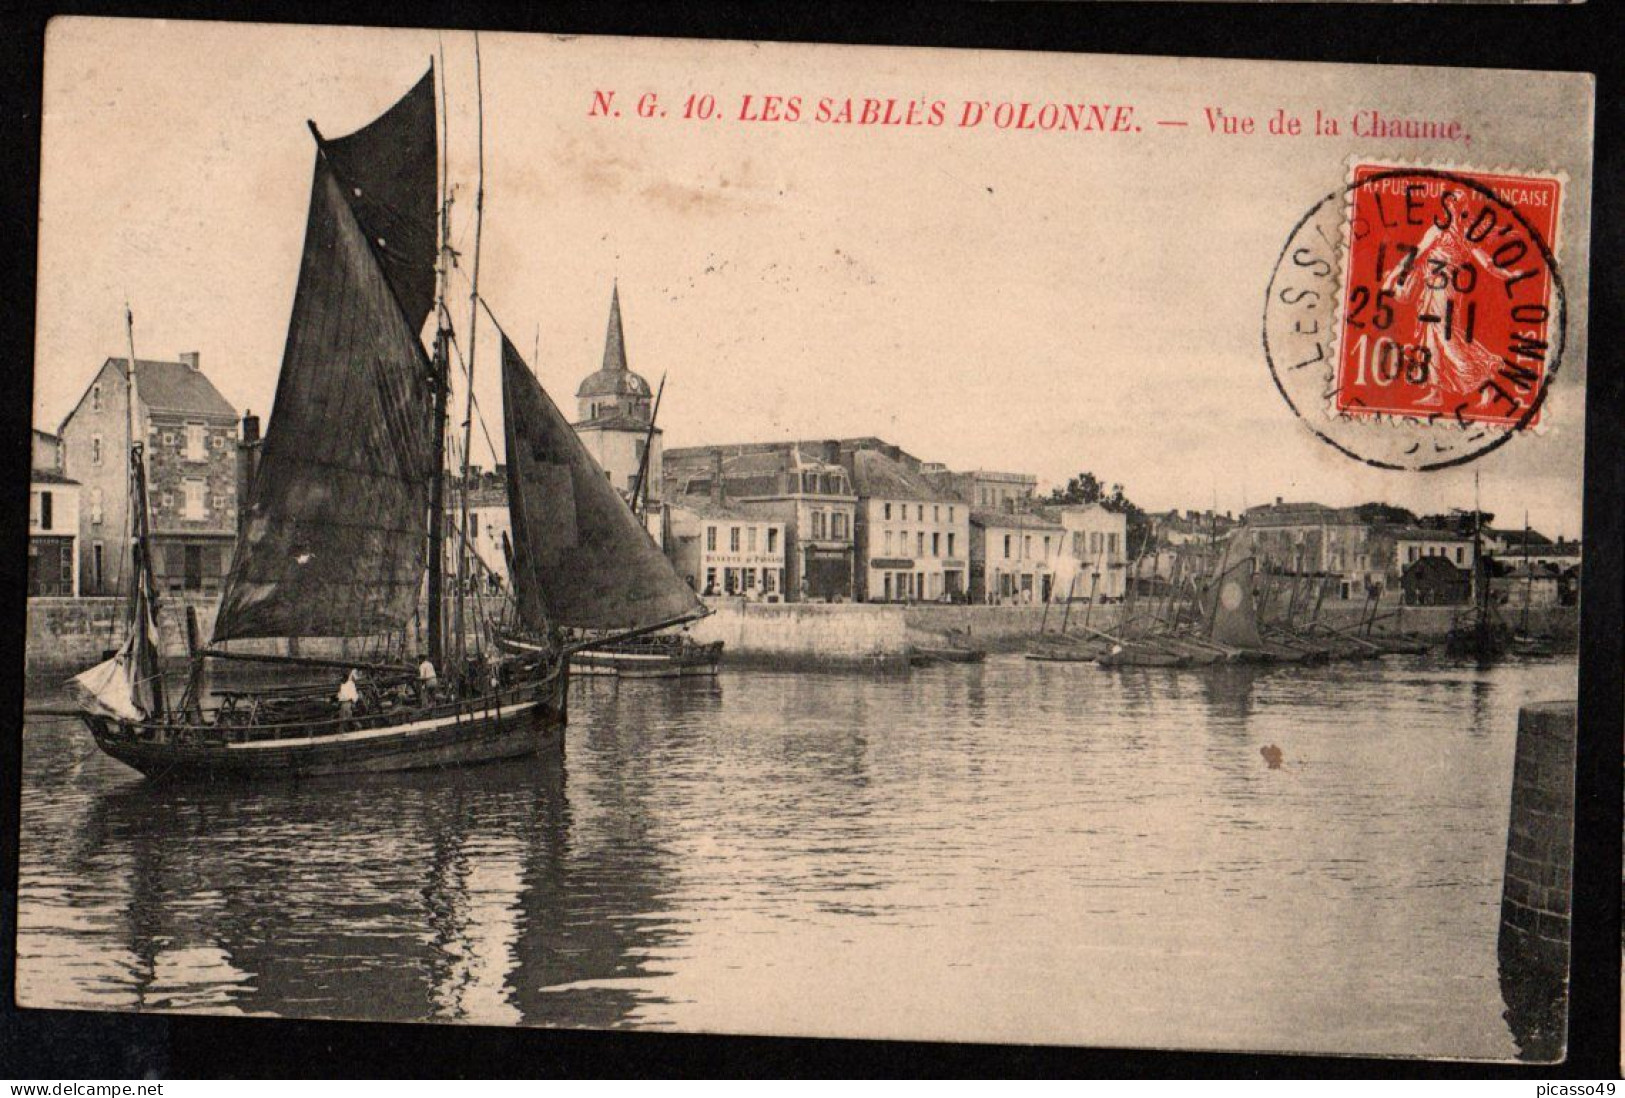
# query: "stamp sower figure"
[[348, 695]]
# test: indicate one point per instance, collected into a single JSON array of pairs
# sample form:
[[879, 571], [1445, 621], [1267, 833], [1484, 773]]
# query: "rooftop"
[[48, 476], [880, 477], [174, 387], [613, 378]]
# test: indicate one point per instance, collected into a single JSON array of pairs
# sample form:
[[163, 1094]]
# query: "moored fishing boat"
[[344, 523]]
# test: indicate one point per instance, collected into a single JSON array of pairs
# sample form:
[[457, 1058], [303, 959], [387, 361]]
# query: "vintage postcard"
[[805, 540]]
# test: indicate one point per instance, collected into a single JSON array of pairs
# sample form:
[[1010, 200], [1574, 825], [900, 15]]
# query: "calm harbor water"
[[1013, 851]]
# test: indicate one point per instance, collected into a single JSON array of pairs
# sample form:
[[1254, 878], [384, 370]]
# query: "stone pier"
[[1536, 889]]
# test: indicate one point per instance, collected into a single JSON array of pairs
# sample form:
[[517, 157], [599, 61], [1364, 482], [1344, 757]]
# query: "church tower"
[[615, 407]]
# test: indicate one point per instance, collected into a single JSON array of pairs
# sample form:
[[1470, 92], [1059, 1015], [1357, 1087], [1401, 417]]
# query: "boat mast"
[[640, 488], [1528, 577], [143, 584], [442, 391], [473, 332]]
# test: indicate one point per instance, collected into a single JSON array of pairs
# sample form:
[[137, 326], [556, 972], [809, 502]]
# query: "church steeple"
[[615, 338], [614, 391]]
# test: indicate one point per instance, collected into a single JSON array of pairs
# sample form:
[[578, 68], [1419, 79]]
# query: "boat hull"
[[512, 724], [699, 660]]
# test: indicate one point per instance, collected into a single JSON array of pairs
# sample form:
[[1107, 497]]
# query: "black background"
[[63, 1045]]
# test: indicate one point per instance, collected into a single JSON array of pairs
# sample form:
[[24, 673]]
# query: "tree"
[[1385, 513], [1083, 488]]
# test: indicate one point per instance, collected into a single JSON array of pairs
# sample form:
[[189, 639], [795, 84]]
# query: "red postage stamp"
[[1447, 296]]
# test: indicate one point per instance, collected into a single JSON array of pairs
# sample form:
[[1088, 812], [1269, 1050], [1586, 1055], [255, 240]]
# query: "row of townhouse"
[[1429, 564], [861, 519]]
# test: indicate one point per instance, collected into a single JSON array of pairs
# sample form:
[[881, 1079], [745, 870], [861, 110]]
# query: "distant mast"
[[473, 333]]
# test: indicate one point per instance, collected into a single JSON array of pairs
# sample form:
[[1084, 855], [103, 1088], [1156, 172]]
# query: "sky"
[[1033, 301]]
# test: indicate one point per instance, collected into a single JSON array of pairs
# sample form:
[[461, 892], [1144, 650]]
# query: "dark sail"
[[333, 544], [581, 559], [1234, 620], [388, 170]]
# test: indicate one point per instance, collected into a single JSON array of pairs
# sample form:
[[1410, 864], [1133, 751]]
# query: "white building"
[[913, 542], [1014, 558], [53, 532], [1096, 557], [722, 550]]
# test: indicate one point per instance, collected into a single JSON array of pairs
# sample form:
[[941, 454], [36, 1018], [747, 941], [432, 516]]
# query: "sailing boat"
[[1480, 633], [345, 521]]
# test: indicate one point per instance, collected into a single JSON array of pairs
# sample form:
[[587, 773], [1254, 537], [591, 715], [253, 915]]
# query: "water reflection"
[[1003, 851]]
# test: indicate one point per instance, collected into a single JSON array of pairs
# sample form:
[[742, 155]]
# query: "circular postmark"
[[1415, 318]]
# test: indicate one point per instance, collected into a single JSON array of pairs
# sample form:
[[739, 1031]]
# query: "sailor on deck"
[[348, 695], [428, 680]]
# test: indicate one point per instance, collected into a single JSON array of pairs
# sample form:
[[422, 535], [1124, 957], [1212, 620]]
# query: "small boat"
[[924, 657], [344, 522], [1142, 655], [657, 656]]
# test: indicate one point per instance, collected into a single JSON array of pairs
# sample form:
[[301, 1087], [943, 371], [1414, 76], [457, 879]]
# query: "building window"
[[919, 512], [950, 514], [919, 543], [888, 543], [1007, 547], [837, 525], [936, 513], [95, 449], [95, 506], [1111, 544], [818, 529], [750, 539], [886, 509], [96, 398], [710, 581], [1046, 547], [769, 580], [1459, 558], [950, 543], [711, 540], [96, 557], [197, 442], [772, 539], [936, 545], [733, 539], [1026, 546], [196, 506], [1412, 557]]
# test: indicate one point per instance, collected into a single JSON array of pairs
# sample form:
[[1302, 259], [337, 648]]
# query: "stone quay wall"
[[807, 634], [72, 634]]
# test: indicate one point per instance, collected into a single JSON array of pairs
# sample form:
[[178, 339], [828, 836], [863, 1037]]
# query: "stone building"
[[615, 407], [1313, 539], [912, 540], [53, 533], [802, 485], [986, 490], [722, 550], [192, 461], [1014, 557]]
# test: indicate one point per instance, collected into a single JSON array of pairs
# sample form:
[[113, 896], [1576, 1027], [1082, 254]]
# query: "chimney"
[[1277, 501], [716, 477], [251, 428], [832, 451], [189, 359], [248, 466], [893, 452]]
